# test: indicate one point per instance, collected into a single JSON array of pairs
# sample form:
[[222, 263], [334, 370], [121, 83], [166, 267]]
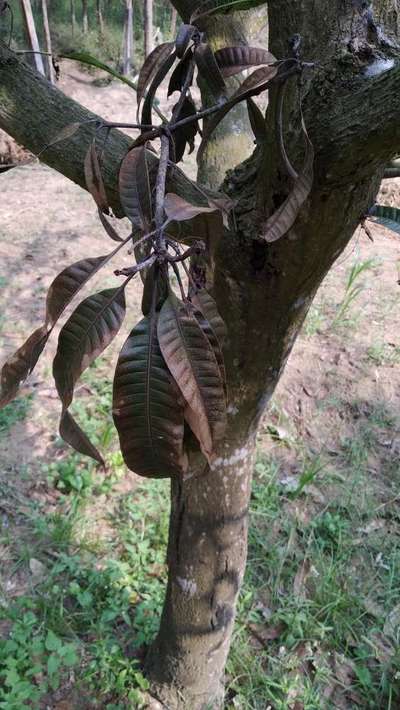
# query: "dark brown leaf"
[[162, 72], [209, 70], [283, 219], [178, 76], [191, 360], [185, 134], [88, 331], [205, 303], [112, 233], [135, 190], [257, 121], [154, 280], [178, 210], [94, 178], [62, 290], [150, 67], [184, 36], [148, 407], [215, 344], [73, 435], [232, 60], [17, 368]]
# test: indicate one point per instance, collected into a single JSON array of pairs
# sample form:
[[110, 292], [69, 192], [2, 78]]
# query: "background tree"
[[85, 20], [148, 26], [263, 289], [32, 35], [47, 35], [128, 39]]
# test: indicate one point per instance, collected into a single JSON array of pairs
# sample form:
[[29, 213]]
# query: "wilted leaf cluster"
[[170, 373]]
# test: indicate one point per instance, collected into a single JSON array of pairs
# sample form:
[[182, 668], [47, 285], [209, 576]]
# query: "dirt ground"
[[330, 383]]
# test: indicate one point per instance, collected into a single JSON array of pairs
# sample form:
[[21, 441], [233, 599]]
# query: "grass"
[[83, 579]]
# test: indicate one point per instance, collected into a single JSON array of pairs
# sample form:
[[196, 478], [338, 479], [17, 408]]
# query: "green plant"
[[353, 289]]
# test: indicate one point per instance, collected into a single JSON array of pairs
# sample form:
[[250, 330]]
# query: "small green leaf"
[[52, 643]]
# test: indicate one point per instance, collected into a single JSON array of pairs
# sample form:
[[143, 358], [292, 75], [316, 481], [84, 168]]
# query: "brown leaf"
[[206, 304], [178, 76], [185, 134], [61, 291], [191, 360], [209, 70], [162, 72], [135, 190], [94, 178], [153, 62], [285, 216], [88, 331], [73, 435], [112, 233], [178, 210], [184, 36], [232, 60], [66, 132], [300, 579], [148, 407]]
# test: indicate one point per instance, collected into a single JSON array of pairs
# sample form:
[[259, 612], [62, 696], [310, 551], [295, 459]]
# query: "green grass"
[[318, 616], [14, 412]]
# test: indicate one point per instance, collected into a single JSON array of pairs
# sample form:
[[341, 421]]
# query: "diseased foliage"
[[171, 369]]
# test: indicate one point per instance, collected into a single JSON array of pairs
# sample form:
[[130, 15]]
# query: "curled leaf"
[[214, 7], [160, 75], [88, 331], [185, 134], [178, 76], [232, 60], [388, 217], [178, 210], [61, 292], [134, 188], [153, 62], [284, 217], [148, 407], [112, 233], [184, 36], [191, 360], [155, 281], [209, 70], [94, 178], [205, 303]]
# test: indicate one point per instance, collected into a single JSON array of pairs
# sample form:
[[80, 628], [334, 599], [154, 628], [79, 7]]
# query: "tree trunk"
[[32, 35], [85, 22], [128, 39], [351, 104], [47, 35], [206, 562], [148, 26], [73, 17], [99, 15]]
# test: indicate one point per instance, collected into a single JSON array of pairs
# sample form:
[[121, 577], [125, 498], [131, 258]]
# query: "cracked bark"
[[263, 291]]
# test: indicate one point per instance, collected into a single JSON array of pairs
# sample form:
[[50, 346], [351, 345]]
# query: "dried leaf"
[[153, 62], [88, 331], [94, 178], [73, 435], [285, 216], [232, 60], [66, 132], [148, 407], [205, 303], [184, 36], [112, 233], [61, 291], [209, 70], [178, 76], [257, 121], [134, 188], [191, 360], [178, 210], [185, 134], [162, 72]]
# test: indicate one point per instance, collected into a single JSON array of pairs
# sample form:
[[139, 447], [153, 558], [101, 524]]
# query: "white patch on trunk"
[[378, 67], [188, 586], [236, 457]]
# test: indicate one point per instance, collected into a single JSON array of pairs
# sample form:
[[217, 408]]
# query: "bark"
[[128, 39], [263, 290], [32, 35], [47, 35], [148, 26], [85, 22]]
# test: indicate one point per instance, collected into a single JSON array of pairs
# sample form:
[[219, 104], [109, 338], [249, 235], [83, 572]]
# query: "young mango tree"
[[279, 196]]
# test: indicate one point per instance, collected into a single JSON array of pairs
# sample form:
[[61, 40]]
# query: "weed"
[[353, 290], [14, 412]]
